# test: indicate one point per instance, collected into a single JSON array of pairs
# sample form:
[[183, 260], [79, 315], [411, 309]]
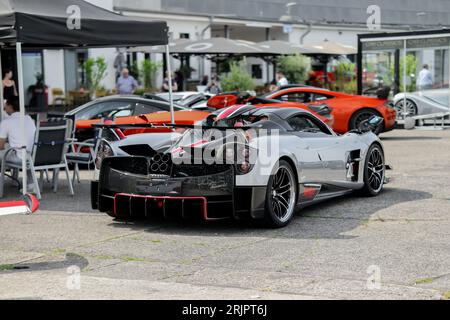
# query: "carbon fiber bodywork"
[[127, 188]]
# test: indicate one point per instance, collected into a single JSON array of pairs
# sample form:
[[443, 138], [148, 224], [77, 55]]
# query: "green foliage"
[[346, 77], [411, 69], [446, 295], [295, 67], [238, 78], [134, 69], [6, 267], [95, 69], [147, 71]]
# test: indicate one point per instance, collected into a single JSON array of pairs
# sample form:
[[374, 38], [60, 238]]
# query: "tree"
[[147, 72], [345, 76], [295, 67], [238, 78], [411, 68], [95, 69]]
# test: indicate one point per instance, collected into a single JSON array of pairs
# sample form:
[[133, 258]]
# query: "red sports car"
[[348, 110]]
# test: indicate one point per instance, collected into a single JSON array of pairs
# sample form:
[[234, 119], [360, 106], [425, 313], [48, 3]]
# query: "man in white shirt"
[[10, 134], [425, 79], [281, 79]]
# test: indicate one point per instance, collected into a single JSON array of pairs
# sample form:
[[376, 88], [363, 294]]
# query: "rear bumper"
[[209, 197]]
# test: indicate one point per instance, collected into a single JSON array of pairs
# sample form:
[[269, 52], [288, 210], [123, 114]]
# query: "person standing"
[[425, 80], [119, 62], [126, 84], [205, 80], [281, 79], [214, 86], [9, 86], [10, 134]]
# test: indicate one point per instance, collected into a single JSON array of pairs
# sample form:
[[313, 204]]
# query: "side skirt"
[[315, 193]]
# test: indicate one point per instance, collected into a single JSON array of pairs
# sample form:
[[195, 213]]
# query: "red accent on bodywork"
[[164, 198], [310, 193]]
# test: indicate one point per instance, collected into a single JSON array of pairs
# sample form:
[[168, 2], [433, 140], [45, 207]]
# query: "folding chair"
[[78, 154], [51, 145]]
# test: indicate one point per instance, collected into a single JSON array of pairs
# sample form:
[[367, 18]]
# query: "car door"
[[330, 148]]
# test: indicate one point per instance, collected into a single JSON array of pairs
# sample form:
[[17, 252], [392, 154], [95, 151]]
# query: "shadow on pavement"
[[71, 259], [326, 220]]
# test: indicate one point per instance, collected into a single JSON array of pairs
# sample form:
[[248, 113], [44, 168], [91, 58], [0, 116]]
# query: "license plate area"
[[158, 187]]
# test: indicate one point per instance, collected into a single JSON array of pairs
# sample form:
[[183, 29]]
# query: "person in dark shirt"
[[9, 86]]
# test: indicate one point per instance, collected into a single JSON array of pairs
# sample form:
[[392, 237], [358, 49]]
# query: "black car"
[[116, 106]]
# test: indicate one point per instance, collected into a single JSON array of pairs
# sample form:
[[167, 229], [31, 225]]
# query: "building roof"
[[414, 14]]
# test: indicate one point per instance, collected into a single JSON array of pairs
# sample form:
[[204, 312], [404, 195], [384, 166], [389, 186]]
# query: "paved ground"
[[329, 251]]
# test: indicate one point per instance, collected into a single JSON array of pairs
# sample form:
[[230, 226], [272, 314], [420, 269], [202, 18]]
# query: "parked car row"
[[327, 147]]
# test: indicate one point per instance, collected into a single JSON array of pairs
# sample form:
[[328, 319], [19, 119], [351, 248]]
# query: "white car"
[[422, 102]]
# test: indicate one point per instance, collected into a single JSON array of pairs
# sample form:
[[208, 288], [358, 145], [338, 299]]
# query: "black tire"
[[374, 171], [410, 105], [362, 115], [281, 199]]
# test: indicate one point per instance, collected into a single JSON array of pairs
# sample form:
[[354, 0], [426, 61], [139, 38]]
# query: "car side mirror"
[[371, 124]]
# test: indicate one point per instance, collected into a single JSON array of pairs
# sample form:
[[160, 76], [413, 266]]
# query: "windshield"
[[193, 100], [104, 109]]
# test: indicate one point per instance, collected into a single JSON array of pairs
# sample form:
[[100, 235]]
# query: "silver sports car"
[[242, 162], [422, 102]]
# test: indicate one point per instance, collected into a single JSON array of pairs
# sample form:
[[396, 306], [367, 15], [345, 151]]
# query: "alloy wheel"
[[283, 194], [410, 109], [376, 170]]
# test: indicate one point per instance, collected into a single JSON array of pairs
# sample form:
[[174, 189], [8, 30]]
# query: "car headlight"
[[104, 150]]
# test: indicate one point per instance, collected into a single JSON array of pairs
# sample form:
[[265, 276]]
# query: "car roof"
[[290, 86], [123, 97]]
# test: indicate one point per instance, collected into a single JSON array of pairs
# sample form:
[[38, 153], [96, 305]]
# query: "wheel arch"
[[293, 166], [362, 109]]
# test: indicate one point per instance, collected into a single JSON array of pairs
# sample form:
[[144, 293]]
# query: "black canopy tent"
[[72, 23], [47, 24]]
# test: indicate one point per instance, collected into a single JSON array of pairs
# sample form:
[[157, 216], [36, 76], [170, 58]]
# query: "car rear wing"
[[165, 126]]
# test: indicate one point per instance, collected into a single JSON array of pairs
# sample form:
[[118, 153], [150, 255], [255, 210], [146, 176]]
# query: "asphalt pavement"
[[395, 246]]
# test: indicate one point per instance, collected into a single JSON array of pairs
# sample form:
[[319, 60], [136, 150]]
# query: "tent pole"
[[1, 89], [169, 77], [404, 78], [22, 115]]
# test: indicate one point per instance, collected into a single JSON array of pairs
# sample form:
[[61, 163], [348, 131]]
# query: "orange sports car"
[[320, 110], [156, 118], [348, 110]]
